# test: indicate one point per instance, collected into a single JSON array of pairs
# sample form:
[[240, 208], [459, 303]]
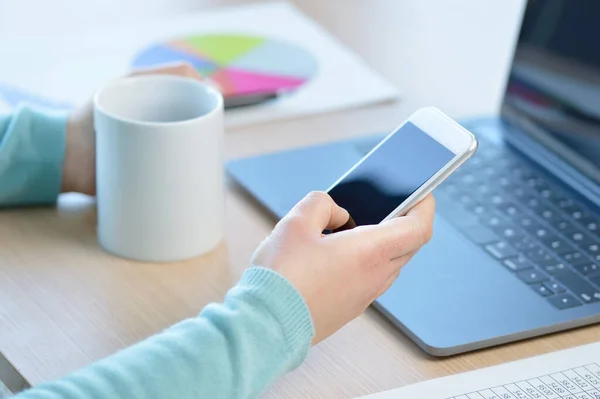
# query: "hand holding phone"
[[403, 168]]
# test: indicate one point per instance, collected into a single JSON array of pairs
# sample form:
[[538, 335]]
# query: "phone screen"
[[390, 174]]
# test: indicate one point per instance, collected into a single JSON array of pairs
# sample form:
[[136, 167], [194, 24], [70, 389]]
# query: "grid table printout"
[[578, 383], [570, 374]]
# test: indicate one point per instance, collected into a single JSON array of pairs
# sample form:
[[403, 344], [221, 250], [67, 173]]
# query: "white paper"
[[571, 373], [71, 68]]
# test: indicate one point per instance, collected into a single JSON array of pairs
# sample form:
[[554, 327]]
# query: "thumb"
[[320, 212]]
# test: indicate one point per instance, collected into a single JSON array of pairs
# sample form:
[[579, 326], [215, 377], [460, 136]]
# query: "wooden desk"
[[65, 303]]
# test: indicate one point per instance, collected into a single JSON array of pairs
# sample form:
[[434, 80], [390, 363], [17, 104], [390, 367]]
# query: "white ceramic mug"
[[159, 167]]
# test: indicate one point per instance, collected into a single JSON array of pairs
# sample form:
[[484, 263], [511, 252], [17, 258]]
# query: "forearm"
[[32, 145], [232, 350]]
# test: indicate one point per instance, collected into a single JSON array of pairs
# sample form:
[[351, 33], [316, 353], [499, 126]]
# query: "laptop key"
[[546, 193], [501, 250], [547, 214], [554, 267], [532, 276], [562, 225], [524, 174], [591, 224], [568, 230], [517, 264], [539, 255], [519, 193], [529, 224], [559, 246], [555, 243], [479, 209], [564, 203], [588, 269], [482, 190], [574, 258], [541, 232], [521, 172], [533, 203], [526, 244], [578, 286], [582, 239], [510, 235], [541, 289], [593, 250], [595, 280], [498, 199], [536, 181], [494, 221], [555, 287], [511, 210], [575, 211], [539, 185], [564, 301], [552, 194], [505, 181]]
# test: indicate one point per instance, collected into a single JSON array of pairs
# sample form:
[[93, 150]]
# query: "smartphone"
[[403, 168]]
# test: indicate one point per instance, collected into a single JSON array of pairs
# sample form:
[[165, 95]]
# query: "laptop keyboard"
[[532, 227]]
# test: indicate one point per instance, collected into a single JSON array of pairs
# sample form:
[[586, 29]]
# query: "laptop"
[[516, 248]]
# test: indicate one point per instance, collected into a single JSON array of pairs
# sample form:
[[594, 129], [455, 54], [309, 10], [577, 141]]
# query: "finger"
[[175, 68], [349, 225], [319, 212], [424, 209], [412, 231], [396, 237]]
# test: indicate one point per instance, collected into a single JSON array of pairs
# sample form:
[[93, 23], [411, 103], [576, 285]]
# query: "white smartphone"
[[403, 168]]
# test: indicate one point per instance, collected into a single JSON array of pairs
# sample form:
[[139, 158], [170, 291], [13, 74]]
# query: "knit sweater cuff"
[[287, 306], [36, 143]]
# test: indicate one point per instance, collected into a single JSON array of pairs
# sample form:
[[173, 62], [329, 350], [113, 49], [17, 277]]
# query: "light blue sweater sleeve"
[[32, 146], [231, 350]]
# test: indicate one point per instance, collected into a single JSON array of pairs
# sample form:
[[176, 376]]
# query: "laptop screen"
[[553, 91]]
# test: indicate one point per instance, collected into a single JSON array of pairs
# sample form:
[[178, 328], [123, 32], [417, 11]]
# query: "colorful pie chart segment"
[[239, 64]]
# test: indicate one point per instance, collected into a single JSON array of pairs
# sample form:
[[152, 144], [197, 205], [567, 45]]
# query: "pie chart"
[[241, 65]]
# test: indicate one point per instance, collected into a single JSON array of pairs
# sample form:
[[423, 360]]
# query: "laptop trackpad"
[[452, 282]]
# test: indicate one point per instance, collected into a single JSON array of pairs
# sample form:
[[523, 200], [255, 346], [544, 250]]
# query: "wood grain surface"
[[65, 303]]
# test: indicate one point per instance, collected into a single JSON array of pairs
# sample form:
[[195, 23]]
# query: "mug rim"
[[124, 80]]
